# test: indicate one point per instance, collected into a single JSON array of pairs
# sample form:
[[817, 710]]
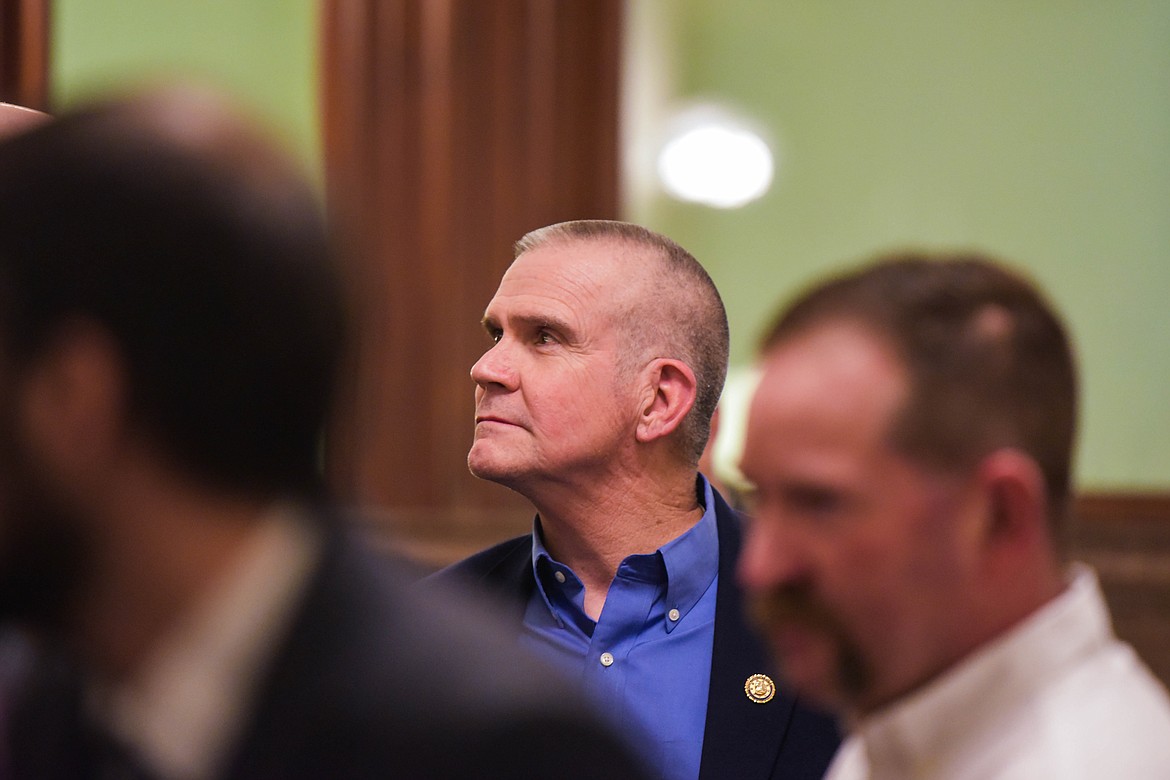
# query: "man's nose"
[[771, 555], [495, 367]]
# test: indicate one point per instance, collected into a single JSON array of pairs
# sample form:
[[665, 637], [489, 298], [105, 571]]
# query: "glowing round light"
[[716, 161]]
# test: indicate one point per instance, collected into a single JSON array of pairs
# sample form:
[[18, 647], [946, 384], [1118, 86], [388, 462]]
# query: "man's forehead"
[[573, 275], [823, 409], [839, 371], [595, 259], [840, 349]]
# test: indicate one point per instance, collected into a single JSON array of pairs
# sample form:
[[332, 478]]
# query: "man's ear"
[[72, 399], [1016, 496], [671, 391]]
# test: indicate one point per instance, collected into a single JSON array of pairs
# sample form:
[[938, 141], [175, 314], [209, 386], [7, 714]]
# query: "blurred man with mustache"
[[910, 444]]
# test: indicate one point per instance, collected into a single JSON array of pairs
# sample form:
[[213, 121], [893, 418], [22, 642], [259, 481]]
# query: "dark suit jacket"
[[372, 682], [742, 740]]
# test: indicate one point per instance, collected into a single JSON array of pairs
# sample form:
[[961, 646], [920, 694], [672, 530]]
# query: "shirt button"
[[560, 577], [673, 614], [607, 659]]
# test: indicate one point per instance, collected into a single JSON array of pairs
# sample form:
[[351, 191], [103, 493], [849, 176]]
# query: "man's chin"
[[829, 674], [482, 462], [807, 664]]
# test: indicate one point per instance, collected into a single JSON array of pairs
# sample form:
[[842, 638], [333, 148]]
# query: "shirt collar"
[[181, 713], [691, 561], [545, 566], [916, 731], [542, 560]]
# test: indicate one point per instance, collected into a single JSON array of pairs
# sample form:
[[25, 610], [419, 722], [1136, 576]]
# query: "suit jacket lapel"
[[742, 738]]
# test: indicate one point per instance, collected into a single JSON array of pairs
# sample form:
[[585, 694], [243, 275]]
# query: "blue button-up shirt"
[[647, 660]]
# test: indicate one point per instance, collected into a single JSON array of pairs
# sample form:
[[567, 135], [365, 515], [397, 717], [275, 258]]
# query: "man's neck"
[[593, 531], [998, 611], [161, 550], [215, 655]]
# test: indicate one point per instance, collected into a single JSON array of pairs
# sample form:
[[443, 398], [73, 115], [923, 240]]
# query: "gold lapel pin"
[[759, 688]]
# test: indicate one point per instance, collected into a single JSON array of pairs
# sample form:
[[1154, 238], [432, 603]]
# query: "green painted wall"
[[263, 52], [1038, 130]]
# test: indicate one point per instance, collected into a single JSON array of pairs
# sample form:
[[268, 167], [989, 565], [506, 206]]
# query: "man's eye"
[[544, 337], [816, 501], [495, 336]]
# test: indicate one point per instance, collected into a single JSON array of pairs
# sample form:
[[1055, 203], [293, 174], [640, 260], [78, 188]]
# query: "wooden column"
[[24, 53], [451, 128]]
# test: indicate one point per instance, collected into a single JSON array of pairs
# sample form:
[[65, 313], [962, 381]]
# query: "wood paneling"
[[1126, 537], [24, 53], [452, 127]]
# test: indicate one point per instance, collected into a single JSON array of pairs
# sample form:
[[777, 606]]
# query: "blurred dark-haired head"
[[174, 226]]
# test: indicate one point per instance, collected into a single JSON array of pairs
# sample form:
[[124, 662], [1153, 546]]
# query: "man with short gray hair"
[[594, 401]]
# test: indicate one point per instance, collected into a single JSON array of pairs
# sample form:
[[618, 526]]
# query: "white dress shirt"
[[1059, 696], [182, 712]]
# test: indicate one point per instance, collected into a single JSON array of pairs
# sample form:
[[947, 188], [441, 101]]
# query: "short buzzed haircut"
[[677, 312], [988, 361]]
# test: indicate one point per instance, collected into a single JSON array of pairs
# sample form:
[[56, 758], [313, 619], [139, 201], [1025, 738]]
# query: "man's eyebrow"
[[538, 321], [532, 322]]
